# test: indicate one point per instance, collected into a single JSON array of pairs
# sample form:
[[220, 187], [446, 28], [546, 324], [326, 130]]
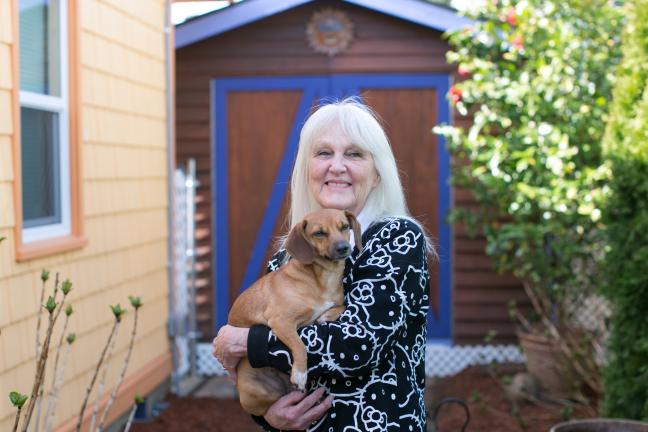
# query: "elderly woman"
[[367, 367]]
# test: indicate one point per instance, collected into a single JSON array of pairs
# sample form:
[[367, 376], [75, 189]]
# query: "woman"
[[370, 362]]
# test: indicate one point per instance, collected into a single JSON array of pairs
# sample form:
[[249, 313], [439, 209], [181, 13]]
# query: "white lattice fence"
[[440, 360]]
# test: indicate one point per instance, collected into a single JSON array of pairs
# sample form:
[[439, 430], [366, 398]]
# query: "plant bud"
[[17, 399], [71, 337], [45, 275], [69, 310], [66, 287], [138, 399], [117, 311], [136, 302], [50, 305]]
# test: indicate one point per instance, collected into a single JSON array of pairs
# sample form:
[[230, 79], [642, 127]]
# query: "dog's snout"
[[342, 249]]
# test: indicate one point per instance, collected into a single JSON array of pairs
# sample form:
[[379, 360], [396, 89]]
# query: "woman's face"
[[340, 174]]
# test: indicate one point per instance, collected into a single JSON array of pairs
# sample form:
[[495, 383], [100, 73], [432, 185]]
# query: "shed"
[[248, 75]]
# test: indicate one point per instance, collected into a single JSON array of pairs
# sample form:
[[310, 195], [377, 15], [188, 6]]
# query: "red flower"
[[463, 70], [510, 18], [517, 43], [455, 94]]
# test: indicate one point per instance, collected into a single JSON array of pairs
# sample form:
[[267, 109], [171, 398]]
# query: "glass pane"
[[41, 180], [40, 51]]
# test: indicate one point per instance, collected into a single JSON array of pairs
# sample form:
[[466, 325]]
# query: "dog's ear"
[[297, 245], [355, 226]]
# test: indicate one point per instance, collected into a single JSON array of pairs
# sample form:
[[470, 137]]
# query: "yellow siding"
[[124, 173], [6, 27]]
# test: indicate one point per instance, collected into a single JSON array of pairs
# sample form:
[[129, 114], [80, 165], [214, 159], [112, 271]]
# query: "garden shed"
[[247, 77]]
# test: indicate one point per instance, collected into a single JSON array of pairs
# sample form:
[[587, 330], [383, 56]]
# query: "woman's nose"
[[337, 164]]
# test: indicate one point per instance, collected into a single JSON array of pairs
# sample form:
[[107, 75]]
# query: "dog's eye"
[[319, 233], [345, 227]]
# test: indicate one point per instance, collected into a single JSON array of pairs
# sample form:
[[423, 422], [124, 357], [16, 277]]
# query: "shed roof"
[[243, 13]]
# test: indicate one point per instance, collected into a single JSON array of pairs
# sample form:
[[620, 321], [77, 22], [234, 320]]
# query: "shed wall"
[[278, 46]]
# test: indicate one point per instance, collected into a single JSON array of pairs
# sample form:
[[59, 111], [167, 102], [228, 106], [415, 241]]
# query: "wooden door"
[[256, 131]]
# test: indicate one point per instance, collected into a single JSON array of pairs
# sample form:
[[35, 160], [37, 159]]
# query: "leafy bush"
[[538, 78], [626, 217]]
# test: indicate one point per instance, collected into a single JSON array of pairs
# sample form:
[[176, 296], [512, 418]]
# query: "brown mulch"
[[200, 415], [490, 410]]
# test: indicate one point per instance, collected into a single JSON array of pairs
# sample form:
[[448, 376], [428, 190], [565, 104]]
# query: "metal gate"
[[182, 315]]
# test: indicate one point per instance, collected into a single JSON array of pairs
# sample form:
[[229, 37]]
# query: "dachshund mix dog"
[[305, 290]]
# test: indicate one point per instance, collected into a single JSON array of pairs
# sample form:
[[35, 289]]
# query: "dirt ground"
[[490, 411]]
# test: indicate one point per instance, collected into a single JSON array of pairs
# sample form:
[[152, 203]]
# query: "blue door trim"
[[440, 328], [312, 88], [315, 87]]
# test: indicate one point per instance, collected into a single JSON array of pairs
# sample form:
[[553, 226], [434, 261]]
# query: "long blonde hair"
[[359, 122], [361, 125]]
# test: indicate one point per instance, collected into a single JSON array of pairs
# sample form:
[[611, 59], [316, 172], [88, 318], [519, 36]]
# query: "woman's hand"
[[229, 346], [297, 410]]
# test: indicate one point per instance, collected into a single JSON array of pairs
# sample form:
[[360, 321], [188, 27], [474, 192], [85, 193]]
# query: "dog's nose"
[[342, 249]]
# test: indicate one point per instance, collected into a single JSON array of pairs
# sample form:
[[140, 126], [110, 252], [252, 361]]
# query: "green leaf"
[[17, 399], [136, 302], [139, 399], [117, 311]]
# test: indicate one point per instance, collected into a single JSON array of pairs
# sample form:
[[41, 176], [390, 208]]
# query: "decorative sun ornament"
[[329, 31]]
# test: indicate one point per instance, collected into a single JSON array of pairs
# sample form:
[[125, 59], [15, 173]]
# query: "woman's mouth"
[[337, 184]]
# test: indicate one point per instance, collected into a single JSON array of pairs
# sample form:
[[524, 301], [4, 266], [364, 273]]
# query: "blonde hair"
[[361, 125]]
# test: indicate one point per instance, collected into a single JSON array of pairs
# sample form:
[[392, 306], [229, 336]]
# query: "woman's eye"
[[323, 153], [355, 154]]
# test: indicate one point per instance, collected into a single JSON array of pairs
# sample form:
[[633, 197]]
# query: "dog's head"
[[325, 234]]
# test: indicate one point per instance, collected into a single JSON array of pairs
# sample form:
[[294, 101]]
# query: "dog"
[[306, 289]]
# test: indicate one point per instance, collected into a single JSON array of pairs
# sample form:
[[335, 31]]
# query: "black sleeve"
[[387, 284]]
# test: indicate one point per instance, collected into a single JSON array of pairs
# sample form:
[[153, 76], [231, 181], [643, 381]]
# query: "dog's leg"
[[285, 330], [331, 314], [260, 388]]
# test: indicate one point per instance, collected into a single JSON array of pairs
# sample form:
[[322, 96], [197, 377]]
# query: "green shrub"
[[538, 82], [538, 79], [626, 217]]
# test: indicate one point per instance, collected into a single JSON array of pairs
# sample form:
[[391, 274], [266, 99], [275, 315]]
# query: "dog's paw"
[[299, 379]]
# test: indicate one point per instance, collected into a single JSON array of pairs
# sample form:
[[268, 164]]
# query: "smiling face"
[[341, 175]]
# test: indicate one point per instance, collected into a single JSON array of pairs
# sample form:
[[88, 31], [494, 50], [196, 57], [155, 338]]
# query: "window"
[[43, 120], [47, 145]]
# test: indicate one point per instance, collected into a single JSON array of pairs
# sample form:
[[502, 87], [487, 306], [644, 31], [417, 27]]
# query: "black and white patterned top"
[[372, 359]]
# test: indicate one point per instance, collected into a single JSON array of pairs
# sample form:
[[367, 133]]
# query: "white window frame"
[[61, 106]]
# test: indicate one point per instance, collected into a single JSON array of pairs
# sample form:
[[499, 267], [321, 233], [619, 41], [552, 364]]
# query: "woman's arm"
[[387, 287]]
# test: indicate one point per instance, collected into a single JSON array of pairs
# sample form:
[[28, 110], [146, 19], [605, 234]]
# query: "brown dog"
[[306, 289]]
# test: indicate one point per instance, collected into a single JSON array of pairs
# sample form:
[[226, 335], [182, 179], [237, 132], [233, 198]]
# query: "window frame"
[[39, 241]]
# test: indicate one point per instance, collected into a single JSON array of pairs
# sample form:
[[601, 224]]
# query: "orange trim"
[[15, 96], [76, 240], [142, 382]]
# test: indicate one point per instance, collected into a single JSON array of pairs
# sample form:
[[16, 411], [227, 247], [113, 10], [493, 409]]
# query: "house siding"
[[123, 133]]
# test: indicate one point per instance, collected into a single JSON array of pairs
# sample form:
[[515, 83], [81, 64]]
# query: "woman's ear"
[[376, 181], [355, 226], [297, 245]]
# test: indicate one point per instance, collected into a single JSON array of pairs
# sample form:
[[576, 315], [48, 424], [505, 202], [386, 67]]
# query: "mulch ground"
[[490, 410]]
